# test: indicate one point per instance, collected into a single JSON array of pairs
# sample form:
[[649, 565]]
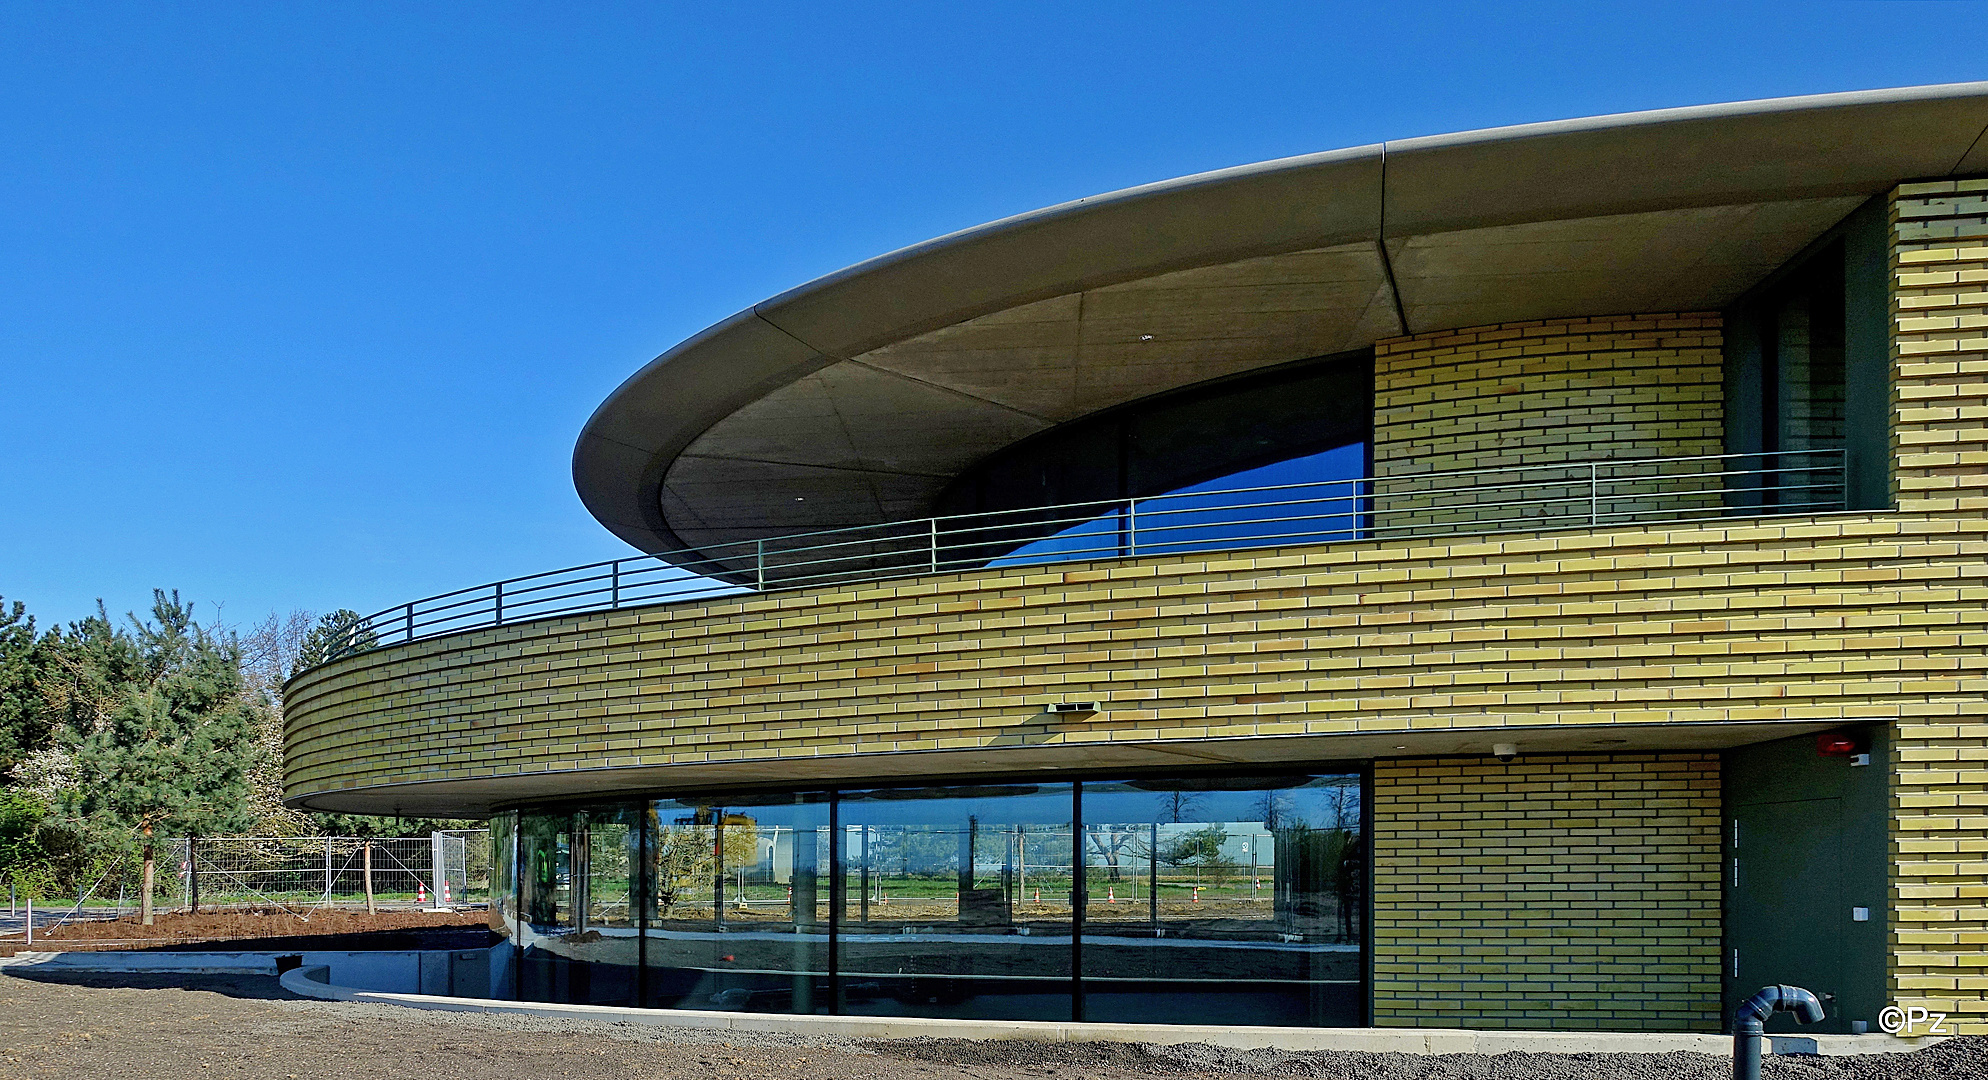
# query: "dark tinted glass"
[[957, 902], [1231, 901]]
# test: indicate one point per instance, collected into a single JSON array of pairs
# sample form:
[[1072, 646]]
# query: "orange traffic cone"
[[1197, 894], [1111, 895], [446, 898], [420, 892]]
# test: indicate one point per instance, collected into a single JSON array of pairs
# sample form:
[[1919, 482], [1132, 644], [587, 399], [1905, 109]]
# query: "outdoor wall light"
[[1504, 751]]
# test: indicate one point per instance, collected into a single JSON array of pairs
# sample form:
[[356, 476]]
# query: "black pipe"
[[1751, 1018]]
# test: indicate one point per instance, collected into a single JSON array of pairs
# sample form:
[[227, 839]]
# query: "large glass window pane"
[[956, 901], [504, 873], [546, 917], [1315, 499], [578, 930], [739, 917], [1236, 900]]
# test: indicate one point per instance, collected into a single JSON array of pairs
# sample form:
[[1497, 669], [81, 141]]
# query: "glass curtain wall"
[[738, 918], [1229, 901], [957, 902], [577, 933], [1234, 900]]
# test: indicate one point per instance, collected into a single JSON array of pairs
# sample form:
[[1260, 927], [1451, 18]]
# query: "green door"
[[1785, 903]]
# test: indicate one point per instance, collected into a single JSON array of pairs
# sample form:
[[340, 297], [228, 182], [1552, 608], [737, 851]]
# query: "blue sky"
[[302, 305]]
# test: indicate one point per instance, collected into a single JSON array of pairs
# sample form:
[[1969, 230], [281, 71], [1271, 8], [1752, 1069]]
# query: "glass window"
[[578, 932], [739, 917], [1234, 900], [504, 873], [956, 902], [1224, 901], [1315, 499]]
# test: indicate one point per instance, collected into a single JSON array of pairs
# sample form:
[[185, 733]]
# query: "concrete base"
[[310, 981], [433, 970]]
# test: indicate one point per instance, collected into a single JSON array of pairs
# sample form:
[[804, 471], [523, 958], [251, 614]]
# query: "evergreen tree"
[[175, 756], [337, 634], [23, 716]]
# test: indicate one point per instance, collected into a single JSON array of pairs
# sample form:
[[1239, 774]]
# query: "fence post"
[[192, 879], [1594, 494], [327, 871], [437, 866], [371, 907]]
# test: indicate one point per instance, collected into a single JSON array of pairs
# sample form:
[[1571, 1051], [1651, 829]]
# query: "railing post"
[[614, 588], [1131, 527], [1594, 494], [410, 620], [497, 591], [759, 559], [935, 544]]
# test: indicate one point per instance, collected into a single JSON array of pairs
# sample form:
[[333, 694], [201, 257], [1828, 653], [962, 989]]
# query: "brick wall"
[[1623, 386], [1940, 753], [1852, 617], [1558, 892], [1540, 394]]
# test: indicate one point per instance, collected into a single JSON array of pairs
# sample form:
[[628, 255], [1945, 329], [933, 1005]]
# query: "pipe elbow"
[[1772, 999]]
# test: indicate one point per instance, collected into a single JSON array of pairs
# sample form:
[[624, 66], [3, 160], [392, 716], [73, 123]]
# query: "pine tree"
[[175, 756], [337, 634], [24, 718]]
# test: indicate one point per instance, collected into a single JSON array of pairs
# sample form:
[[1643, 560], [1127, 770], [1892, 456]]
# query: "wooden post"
[[145, 898], [367, 858]]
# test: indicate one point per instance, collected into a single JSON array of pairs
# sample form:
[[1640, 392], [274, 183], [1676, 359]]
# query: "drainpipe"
[[1751, 1017]]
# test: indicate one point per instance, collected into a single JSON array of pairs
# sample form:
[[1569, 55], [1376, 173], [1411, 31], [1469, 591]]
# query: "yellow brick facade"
[[1628, 386], [1835, 618], [1564, 892], [1940, 753]]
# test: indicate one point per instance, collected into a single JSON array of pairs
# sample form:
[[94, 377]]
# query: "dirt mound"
[[271, 929]]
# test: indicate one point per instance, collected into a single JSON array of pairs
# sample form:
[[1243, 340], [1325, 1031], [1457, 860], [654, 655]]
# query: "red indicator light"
[[1836, 745]]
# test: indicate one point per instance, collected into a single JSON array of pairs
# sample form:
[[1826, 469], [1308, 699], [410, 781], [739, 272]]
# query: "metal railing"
[[1532, 498]]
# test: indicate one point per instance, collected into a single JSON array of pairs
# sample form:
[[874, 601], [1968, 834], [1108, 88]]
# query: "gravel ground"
[[178, 1027]]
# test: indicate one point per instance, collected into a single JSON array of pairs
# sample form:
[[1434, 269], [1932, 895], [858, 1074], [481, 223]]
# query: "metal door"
[[1785, 902]]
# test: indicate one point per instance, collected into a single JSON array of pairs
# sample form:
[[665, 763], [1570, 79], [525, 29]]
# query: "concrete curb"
[[309, 981]]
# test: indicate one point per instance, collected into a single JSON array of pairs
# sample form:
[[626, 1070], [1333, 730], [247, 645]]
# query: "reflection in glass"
[[1314, 499], [1233, 899], [1229, 901], [738, 919], [957, 902], [577, 934], [504, 873]]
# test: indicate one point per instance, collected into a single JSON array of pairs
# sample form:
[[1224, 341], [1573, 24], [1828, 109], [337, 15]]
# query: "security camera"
[[1504, 751]]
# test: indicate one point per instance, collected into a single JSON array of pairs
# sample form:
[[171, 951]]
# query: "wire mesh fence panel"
[[323, 871]]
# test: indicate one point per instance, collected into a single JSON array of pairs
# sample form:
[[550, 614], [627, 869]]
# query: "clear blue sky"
[[302, 305]]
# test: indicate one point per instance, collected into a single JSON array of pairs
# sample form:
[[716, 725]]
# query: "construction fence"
[[301, 873]]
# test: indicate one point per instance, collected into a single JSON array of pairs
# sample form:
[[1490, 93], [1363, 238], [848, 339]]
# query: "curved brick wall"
[[1864, 616]]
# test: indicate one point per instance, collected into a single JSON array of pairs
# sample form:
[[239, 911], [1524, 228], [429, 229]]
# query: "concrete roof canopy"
[[855, 398]]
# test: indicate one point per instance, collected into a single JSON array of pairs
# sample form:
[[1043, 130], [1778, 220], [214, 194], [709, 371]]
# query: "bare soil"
[[268, 929], [177, 1027]]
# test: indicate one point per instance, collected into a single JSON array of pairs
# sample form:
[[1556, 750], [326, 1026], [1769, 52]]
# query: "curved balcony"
[[1431, 505]]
